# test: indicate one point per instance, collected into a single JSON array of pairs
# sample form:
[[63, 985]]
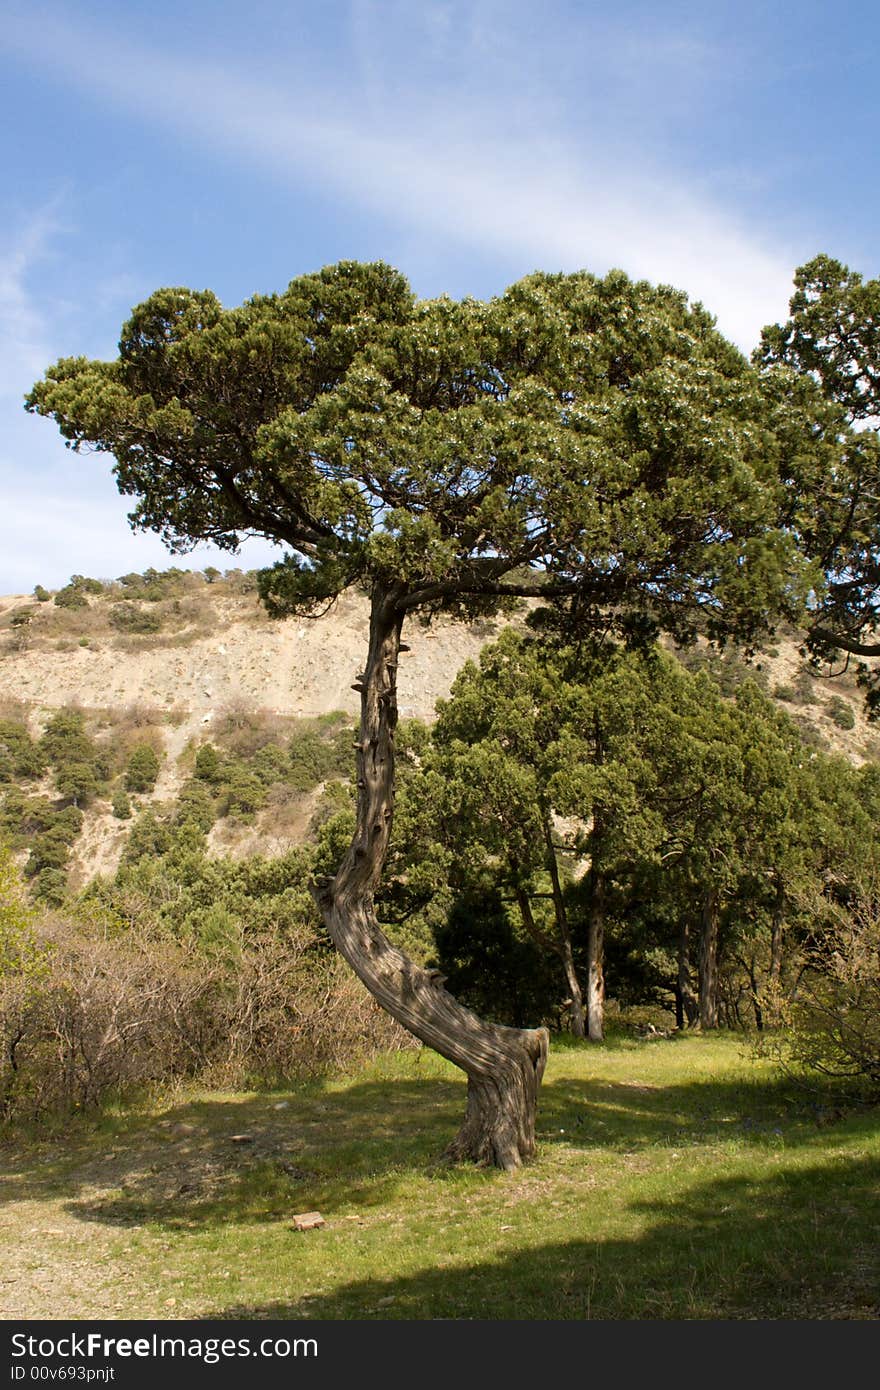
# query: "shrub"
[[99, 1000], [121, 805], [142, 769], [317, 754], [195, 806], [804, 689], [86, 585], [149, 838], [66, 742], [40, 594], [110, 1011], [20, 756], [832, 1022], [130, 619], [77, 783], [243, 793], [208, 766], [70, 597], [50, 886], [841, 712]]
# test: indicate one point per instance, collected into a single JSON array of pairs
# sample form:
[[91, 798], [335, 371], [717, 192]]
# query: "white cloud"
[[450, 162], [23, 331]]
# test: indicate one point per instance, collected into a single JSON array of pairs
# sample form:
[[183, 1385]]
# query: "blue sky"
[[714, 146]]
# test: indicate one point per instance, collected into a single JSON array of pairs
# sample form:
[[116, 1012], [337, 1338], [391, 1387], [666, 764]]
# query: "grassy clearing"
[[676, 1179]]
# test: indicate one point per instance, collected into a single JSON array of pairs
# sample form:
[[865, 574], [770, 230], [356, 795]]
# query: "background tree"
[[591, 443], [492, 742], [832, 342]]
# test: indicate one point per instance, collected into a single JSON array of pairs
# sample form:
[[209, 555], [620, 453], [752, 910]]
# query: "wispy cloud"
[[455, 161], [23, 330]]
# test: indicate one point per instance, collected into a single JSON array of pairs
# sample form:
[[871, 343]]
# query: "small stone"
[[308, 1221], [171, 1303], [281, 1105], [241, 1138], [386, 1302]]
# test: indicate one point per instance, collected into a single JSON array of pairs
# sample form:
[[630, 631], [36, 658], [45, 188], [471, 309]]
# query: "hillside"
[[177, 659], [206, 656]]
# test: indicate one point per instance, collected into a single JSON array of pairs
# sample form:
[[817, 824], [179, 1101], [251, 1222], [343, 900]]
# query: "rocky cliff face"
[[182, 664], [214, 653]]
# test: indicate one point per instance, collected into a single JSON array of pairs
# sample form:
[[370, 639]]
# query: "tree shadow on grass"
[[214, 1161], [798, 1244], [629, 1114], [328, 1149]]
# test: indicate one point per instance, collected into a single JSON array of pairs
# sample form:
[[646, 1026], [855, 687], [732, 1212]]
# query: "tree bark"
[[578, 1026], [708, 968], [776, 934], [504, 1066], [562, 949], [596, 959], [686, 1009]]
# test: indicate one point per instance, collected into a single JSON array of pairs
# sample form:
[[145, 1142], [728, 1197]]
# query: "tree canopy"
[[830, 348], [589, 440]]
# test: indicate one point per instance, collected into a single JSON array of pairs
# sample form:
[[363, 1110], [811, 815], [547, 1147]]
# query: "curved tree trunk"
[[504, 1066]]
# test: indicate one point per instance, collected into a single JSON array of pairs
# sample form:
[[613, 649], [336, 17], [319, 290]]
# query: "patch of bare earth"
[[74, 1230]]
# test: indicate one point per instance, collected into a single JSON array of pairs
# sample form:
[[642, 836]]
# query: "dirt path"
[[85, 1225], [52, 1267]]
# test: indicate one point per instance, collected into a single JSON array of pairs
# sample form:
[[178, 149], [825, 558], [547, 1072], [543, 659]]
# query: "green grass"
[[676, 1179]]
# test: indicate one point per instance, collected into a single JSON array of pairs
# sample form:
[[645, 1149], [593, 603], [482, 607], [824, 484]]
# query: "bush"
[[841, 712], [89, 1008], [109, 1012], [243, 793], [77, 783], [832, 1022], [804, 689], [50, 886], [149, 838], [142, 769], [195, 806], [132, 620], [121, 805], [40, 594], [316, 754], [70, 597], [208, 766], [20, 757], [66, 741]]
